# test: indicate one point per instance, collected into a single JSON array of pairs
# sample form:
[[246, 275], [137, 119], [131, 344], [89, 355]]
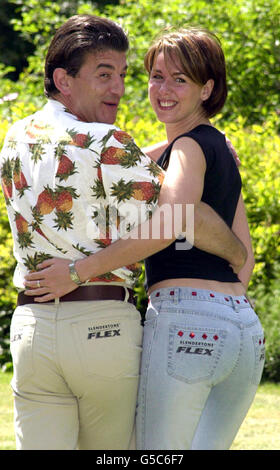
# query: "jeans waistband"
[[176, 294]]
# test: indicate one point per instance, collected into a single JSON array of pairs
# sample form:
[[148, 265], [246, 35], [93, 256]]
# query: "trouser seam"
[[145, 386]]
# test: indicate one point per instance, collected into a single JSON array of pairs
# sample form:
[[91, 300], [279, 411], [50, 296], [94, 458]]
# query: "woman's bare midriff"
[[229, 288]]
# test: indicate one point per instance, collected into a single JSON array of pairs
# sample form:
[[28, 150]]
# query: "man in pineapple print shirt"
[[65, 171], [73, 182]]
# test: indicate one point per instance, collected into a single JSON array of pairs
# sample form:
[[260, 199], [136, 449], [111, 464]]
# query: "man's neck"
[[67, 104]]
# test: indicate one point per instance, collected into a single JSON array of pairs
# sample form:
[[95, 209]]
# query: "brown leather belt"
[[86, 293]]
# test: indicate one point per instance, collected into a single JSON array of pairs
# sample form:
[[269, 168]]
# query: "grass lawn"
[[259, 431], [7, 440], [261, 428]]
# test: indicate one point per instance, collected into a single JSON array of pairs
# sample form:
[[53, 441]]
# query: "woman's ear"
[[61, 80], [207, 89]]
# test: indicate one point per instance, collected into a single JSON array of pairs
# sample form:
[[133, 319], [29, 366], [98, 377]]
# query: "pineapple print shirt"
[[72, 188]]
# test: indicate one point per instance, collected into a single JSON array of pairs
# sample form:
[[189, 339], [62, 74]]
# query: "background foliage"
[[249, 32]]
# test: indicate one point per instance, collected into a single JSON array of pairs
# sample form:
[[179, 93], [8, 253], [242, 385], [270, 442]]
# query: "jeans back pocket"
[[194, 353], [259, 349], [109, 347]]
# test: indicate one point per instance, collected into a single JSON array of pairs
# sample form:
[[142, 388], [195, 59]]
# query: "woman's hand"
[[233, 151], [52, 280]]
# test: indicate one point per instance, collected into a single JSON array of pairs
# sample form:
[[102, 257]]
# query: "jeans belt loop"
[[176, 295], [126, 294], [234, 304]]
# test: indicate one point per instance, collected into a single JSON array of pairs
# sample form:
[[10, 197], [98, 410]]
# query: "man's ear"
[[207, 89], [61, 81]]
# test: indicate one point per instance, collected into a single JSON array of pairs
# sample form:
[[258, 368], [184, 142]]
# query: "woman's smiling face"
[[174, 97]]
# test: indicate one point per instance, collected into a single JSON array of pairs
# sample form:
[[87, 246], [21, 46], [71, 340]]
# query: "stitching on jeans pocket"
[[194, 352]]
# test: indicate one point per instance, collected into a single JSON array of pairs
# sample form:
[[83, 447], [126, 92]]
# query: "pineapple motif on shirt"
[[56, 174]]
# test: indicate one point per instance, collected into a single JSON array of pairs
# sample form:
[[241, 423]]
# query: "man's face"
[[95, 92]]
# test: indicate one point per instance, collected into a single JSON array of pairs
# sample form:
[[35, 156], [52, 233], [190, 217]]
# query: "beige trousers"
[[76, 370]]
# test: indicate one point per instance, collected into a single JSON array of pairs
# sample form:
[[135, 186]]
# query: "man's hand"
[[54, 278], [237, 267], [213, 235]]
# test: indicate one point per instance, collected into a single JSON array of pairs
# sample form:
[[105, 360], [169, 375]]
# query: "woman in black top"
[[203, 350]]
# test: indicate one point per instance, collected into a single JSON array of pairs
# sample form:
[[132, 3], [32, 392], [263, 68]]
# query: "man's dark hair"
[[77, 37]]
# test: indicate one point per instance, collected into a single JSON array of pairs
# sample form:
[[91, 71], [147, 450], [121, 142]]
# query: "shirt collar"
[[55, 106]]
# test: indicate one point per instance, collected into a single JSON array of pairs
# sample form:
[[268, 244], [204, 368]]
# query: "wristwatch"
[[73, 274]]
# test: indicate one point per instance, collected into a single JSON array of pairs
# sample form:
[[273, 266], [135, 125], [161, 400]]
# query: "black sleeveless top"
[[222, 186]]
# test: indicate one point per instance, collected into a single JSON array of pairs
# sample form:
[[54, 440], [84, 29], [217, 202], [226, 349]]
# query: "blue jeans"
[[202, 361]]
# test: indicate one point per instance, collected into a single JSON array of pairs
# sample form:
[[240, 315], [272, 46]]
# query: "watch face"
[[73, 274]]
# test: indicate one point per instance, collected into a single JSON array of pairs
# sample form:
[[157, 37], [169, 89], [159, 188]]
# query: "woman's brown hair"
[[201, 57]]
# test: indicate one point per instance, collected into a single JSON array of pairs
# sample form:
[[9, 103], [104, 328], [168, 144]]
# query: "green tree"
[[249, 32], [13, 49]]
